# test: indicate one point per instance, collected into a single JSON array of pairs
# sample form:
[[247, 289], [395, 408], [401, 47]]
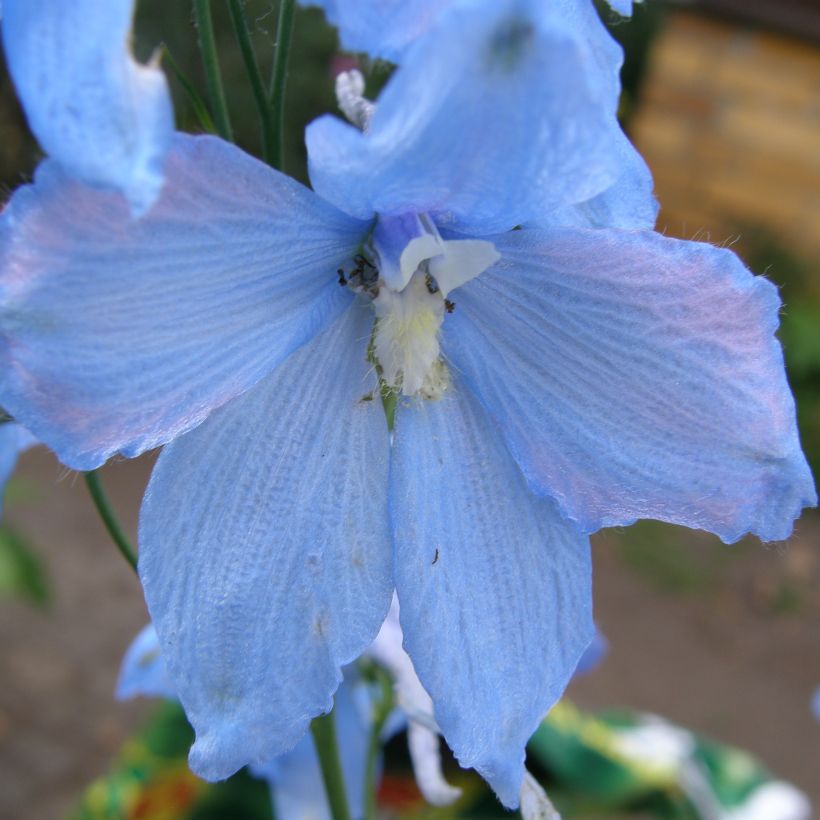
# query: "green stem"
[[279, 78], [381, 711], [324, 737], [92, 480], [243, 38], [213, 77]]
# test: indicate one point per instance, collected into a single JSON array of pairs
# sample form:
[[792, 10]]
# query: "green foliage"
[[21, 573], [309, 92]]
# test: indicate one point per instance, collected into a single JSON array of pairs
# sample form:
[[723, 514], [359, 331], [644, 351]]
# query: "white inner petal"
[[462, 260], [535, 805], [425, 755], [409, 317]]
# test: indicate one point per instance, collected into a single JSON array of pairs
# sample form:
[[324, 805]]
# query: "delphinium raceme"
[[478, 252]]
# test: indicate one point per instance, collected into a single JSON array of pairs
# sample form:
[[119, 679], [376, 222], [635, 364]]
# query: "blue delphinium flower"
[[76, 77], [543, 338]]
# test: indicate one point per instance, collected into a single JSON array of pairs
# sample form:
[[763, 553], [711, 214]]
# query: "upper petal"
[[636, 376], [104, 117], [264, 550], [119, 334], [628, 203], [499, 112], [383, 28], [494, 585], [386, 28]]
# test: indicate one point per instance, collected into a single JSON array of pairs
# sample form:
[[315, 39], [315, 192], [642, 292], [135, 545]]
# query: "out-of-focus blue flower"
[[386, 28], [616, 373], [103, 117], [815, 703]]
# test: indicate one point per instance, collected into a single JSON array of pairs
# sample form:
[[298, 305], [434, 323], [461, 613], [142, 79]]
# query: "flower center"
[[417, 270], [409, 271]]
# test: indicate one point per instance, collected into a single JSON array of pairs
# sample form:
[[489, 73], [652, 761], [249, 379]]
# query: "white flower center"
[[417, 271]]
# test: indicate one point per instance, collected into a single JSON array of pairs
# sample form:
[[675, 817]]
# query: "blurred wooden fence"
[[729, 122]]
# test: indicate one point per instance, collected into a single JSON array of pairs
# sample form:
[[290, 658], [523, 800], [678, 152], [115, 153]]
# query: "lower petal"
[[264, 550], [494, 585]]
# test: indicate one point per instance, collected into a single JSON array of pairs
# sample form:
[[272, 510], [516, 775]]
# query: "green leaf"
[[21, 573]]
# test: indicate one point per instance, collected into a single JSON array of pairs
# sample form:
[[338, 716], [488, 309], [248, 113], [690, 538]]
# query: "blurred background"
[[722, 97]]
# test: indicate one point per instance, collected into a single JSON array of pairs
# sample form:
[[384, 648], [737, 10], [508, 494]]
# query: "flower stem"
[[98, 496], [324, 736], [213, 77], [381, 711], [243, 38], [284, 30]]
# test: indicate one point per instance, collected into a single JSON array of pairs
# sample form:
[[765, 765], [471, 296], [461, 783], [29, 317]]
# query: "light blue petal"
[[386, 28], [815, 703], [104, 117], [636, 376], [473, 128], [265, 552], [603, 52], [383, 28], [120, 334], [14, 440], [494, 585], [143, 671], [629, 203], [296, 781]]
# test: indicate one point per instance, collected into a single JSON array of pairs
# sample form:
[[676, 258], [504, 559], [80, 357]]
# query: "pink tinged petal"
[[636, 376], [265, 553], [104, 117], [494, 585], [117, 335]]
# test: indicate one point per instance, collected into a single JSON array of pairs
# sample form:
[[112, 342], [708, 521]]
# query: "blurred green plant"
[[594, 765], [21, 573]]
